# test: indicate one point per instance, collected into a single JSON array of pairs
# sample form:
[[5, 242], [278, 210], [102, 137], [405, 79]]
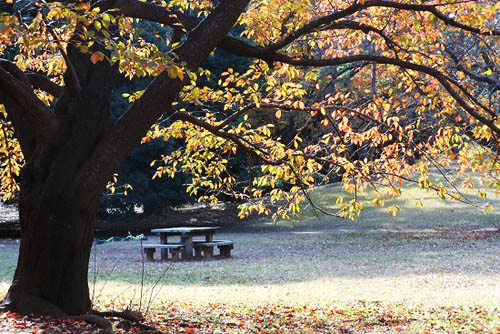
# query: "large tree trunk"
[[52, 268], [57, 206], [57, 219]]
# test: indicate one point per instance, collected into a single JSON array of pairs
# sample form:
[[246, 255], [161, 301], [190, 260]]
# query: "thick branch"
[[313, 25], [27, 141], [158, 97], [431, 9], [42, 82], [151, 12], [317, 24], [32, 108], [156, 13]]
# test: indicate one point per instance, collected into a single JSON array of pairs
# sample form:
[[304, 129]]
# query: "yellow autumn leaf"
[[180, 73]]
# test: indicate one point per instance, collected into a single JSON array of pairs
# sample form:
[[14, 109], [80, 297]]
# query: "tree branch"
[[348, 24], [316, 24], [155, 13], [32, 108], [443, 79], [150, 12], [215, 130], [460, 67], [159, 14], [40, 81], [74, 76], [433, 10], [313, 25], [159, 96]]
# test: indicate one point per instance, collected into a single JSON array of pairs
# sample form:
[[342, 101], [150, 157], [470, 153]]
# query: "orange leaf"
[[96, 57], [172, 72]]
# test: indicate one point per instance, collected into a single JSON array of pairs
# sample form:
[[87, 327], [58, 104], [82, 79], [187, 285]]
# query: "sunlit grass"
[[435, 213]]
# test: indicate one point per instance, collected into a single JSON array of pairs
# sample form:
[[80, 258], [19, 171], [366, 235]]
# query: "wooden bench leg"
[[208, 252], [197, 252], [176, 254], [187, 252], [149, 253], [225, 251]]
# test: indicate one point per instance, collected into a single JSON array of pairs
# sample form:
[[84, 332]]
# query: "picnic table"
[[184, 249]]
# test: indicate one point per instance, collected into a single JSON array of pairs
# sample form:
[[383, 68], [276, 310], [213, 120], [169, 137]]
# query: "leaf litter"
[[359, 317]]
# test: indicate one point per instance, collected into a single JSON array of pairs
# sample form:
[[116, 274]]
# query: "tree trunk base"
[[35, 306], [32, 305]]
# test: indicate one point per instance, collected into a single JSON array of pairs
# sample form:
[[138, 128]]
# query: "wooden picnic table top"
[[185, 230]]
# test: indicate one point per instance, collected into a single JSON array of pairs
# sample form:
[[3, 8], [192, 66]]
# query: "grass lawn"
[[434, 270]]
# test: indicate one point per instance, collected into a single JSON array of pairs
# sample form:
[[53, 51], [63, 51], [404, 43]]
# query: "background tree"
[[57, 79]]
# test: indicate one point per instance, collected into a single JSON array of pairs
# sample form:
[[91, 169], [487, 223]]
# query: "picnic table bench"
[[174, 249], [206, 249], [186, 246]]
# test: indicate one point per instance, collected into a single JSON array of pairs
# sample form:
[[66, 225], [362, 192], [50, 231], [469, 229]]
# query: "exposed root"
[[131, 319], [127, 314], [32, 305], [93, 319]]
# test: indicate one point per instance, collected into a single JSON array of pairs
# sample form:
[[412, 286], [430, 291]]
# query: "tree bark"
[[57, 218], [56, 214], [52, 268]]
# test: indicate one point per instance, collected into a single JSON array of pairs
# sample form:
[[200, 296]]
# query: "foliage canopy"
[[373, 92]]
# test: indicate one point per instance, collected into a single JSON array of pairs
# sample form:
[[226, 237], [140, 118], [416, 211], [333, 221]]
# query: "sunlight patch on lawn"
[[4, 286], [411, 290]]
